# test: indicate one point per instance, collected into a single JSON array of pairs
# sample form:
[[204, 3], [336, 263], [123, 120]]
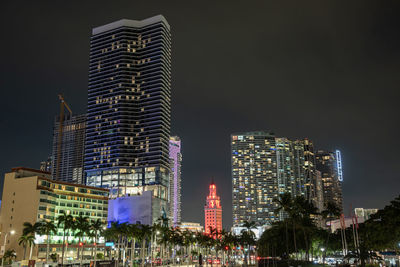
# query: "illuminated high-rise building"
[[254, 177], [69, 150], [330, 166], [175, 156], [319, 192], [284, 163], [296, 169], [213, 211], [265, 167], [128, 113], [305, 171]]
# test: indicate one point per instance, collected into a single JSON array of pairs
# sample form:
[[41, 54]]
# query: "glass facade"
[[67, 163], [327, 164], [128, 117], [175, 157], [254, 177], [264, 167], [63, 198]]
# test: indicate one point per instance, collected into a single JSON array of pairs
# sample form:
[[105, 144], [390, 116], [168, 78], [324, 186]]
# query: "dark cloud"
[[323, 70]]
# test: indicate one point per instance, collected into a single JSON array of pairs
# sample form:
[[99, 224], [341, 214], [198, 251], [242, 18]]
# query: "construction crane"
[[63, 106]]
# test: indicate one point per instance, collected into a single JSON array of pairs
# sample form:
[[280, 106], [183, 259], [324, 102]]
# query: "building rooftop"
[[130, 23], [72, 184], [23, 172], [16, 169], [255, 133], [28, 172]]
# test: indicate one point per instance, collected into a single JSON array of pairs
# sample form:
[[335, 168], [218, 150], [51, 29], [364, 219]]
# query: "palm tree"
[[47, 228], [124, 231], [304, 210], [31, 229], [187, 243], [166, 237], [164, 228], [230, 241], [111, 233], [285, 204], [25, 241], [82, 227], [176, 240], [331, 212], [247, 238], [116, 232], [67, 223], [144, 233], [9, 255], [96, 227], [133, 234], [155, 230]]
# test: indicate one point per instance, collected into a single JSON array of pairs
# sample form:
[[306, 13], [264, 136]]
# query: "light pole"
[[323, 256], [5, 240]]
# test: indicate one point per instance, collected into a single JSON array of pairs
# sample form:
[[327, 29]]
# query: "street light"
[[4, 247], [323, 256]]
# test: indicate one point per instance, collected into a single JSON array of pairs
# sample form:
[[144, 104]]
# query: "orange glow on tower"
[[213, 210]]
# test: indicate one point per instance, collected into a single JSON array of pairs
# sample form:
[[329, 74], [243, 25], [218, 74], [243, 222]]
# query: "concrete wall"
[[20, 204], [131, 209]]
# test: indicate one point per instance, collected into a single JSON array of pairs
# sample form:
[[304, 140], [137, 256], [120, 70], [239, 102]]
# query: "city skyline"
[[329, 79], [265, 167]]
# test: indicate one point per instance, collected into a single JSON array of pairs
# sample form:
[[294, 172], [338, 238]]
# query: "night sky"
[[325, 70]]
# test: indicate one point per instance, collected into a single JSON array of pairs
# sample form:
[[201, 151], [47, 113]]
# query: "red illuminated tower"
[[213, 210]]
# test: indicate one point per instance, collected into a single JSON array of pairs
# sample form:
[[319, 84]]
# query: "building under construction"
[[68, 146]]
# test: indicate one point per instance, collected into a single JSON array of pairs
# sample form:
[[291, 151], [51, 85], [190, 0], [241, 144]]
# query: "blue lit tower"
[[128, 113], [330, 166]]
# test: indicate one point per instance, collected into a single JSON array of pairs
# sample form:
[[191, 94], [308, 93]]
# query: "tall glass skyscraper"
[[330, 166], [263, 168], [128, 112], [68, 151], [254, 177], [175, 156]]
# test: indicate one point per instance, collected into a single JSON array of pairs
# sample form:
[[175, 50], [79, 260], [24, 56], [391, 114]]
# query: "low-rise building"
[[31, 195], [191, 226], [365, 213], [344, 223], [257, 230]]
